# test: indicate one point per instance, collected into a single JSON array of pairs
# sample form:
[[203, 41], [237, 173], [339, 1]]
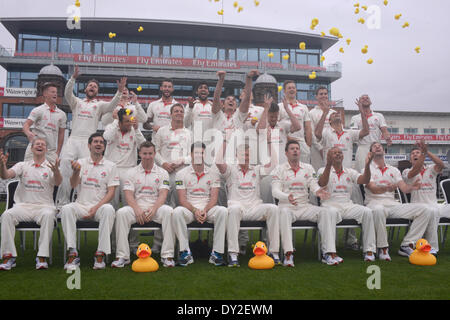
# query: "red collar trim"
[[339, 135], [383, 170], [199, 176], [423, 171], [295, 171], [339, 174]]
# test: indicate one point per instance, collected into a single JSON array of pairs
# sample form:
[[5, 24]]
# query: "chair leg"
[[59, 235], [23, 239], [85, 238], [445, 236], [306, 236], [346, 236], [318, 245], [78, 240], [50, 259], [34, 240]]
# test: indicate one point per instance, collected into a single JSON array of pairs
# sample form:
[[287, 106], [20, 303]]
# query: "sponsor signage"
[[2, 91], [175, 62], [20, 92], [11, 123]]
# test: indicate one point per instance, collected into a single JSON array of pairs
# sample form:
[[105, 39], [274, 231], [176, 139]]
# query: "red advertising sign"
[[177, 62], [2, 91], [415, 137]]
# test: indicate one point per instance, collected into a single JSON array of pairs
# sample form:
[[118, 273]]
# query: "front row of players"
[[147, 185]]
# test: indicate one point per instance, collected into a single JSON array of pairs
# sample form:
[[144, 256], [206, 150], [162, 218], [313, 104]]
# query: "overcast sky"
[[399, 78]]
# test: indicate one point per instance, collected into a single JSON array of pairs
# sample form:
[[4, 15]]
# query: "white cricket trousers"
[[42, 215], [362, 215], [360, 157], [119, 194], [105, 215], [50, 155], [326, 219], [125, 217], [421, 214], [263, 212], [217, 215], [74, 148]]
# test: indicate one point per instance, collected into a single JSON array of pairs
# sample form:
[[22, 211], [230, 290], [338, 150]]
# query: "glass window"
[[221, 54], [211, 53], [27, 111], [120, 49], [252, 54], [54, 44], [28, 84], [302, 95], [429, 131], [411, 130], [133, 49], [64, 46], [313, 60], [15, 111], [155, 51], [393, 150], [166, 51], [43, 46], [98, 48], [303, 86], [16, 146], [145, 50], [87, 47], [188, 51], [200, 52], [76, 46], [302, 58], [177, 51], [263, 54], [241, 54], [33, 36], [29, 46], [29, 75], [231, 54], [442, 130], [14, 83], [276, 55], [434, 150], [108, 48], [393, 130]]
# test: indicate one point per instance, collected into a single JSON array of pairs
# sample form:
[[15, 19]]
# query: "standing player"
[[301, 112], [427, 175], [33, 201], [199, 116], [48, 122], [340, 180], [128, 101], [158, 111], [146, 188], [380, 197], [86, 114], [96, 180], [377, 130], [122, 140], [198, 191], [315, 114], [292, 182]]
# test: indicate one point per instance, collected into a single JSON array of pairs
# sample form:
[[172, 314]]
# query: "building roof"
[[126, 30], [404, 113]]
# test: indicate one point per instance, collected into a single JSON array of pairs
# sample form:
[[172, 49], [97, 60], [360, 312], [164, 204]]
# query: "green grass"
[[309, 279]]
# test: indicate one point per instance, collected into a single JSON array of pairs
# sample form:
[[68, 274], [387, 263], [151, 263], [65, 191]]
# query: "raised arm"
[[365, 177], [365, 124], [319, 129], [111, 105], [4, 172], [295, 124], [141, 116], [325, 176], [245, 103], [217, 106], [308, 133], [71, 99]]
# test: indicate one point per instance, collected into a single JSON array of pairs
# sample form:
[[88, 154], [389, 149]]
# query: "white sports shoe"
[[369, 258], [120, 263], [72, 263], [288, 259], [405, 251], [384, 256], [41, 265], [99, 261], [338, 259], [168, 262], [326, 258], [10, 263]]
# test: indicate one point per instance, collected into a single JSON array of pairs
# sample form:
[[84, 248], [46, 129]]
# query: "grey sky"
[[399, 78]]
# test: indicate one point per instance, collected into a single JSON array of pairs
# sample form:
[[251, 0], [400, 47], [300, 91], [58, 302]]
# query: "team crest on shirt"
[[306, 175], [431, 176], [348, 179], [209, 182], [94, 106], [392, 175], [103, 174], [45, 175], [157, 180], [348, 139], [131, 137], [254, 175]]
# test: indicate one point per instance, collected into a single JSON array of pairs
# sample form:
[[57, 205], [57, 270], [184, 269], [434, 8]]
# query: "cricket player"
[[86, 115], [198, 190], [146, 187], [301, 113], [339, 182], [95, 179], [380, 197], [292, 182], [426, 175], [377, 130], [33, 201], [46, 121]]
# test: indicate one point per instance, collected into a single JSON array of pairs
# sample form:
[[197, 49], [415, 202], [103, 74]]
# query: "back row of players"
[[174, 171]]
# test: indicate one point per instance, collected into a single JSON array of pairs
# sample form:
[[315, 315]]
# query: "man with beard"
[[301, 113], [158, 111], [377, 130], [85, 118], [427, 175], [380, 197], [48, 122]]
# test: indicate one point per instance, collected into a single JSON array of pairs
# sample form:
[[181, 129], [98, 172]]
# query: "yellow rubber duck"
[[361, 20], [386, 2], [220, 13], [322, 34], [145, 263], [417, 49], [235, 4], [405, 25], [349, 41], [302, 45], [240, 9], [286, 57], [141, 29], [356, 4], [77, 3], [397, 16], [312, 75], [335, 32], [270, 54], [356, 10], [422, 256], [280, 88], [341, 50], [322, 59], [370, 61], [364, 50], [256, 3], [364, 7], [261, 260]]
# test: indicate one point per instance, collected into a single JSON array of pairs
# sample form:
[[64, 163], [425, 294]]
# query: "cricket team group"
[[222, 161]]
